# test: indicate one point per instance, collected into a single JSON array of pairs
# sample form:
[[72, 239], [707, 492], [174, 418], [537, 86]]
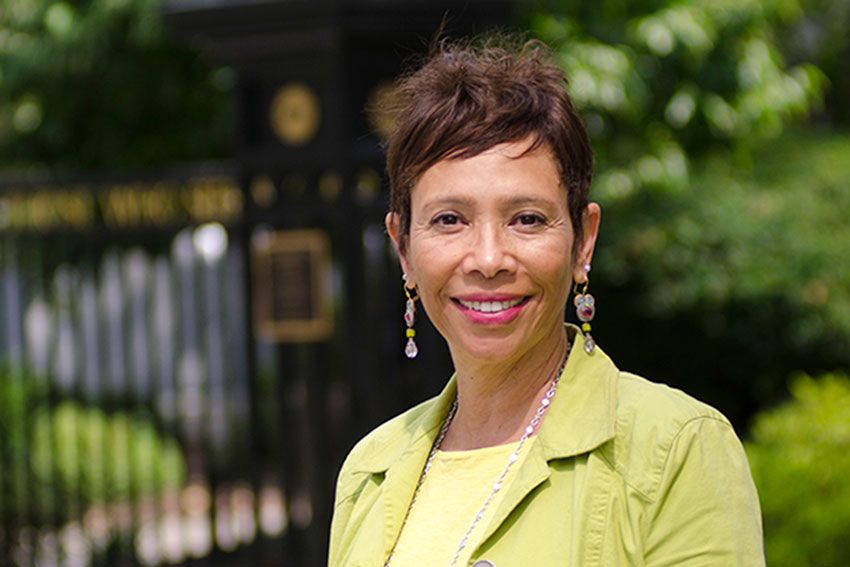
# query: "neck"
[[496, 400]]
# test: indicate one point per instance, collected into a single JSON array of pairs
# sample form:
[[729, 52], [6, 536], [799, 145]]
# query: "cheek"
[[552, 260], [555, 275], [430, 264]]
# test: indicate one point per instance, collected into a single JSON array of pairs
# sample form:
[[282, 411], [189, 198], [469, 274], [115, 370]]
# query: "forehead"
[[510, 170]]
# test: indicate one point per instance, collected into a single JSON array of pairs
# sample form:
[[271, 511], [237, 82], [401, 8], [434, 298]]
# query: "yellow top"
[[453, 492]]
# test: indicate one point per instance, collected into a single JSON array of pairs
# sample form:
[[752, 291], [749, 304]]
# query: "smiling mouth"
[[491, 306]]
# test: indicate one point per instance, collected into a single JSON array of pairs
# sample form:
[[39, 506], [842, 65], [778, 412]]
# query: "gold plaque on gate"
[[291, 270], [295, 114]]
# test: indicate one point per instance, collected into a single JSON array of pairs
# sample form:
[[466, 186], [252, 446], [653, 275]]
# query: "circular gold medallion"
[[263, 191], [295, 114]]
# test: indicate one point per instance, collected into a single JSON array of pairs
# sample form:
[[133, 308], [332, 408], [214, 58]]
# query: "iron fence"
[[142, 422]]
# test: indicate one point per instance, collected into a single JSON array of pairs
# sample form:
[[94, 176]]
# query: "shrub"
[[61, 457], [800, 457]]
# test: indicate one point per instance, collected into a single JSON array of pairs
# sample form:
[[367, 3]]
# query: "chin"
[[489, 349]]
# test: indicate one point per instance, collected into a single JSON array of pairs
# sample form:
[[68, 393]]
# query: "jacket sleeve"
[[706, 512]]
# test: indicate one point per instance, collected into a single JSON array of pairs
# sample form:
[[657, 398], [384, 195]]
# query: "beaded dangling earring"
[[410, 349], [585, 311]]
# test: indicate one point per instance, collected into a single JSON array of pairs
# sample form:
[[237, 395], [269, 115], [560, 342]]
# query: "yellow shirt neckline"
[[451, 495]]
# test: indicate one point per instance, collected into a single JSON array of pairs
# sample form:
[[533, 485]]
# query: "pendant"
[[410, 349]]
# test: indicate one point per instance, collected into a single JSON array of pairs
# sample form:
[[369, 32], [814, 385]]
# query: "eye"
[[529, 219], [446, 219]]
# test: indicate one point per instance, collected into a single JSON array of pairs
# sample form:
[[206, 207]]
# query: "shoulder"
[[642, 402], [363, 469], [375, 452], [389, 437], [653, 422]]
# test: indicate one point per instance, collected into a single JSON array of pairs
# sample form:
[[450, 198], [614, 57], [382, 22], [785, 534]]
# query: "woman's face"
[[490, 249]]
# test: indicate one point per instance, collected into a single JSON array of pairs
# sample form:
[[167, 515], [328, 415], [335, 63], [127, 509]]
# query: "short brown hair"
[[469, 96]]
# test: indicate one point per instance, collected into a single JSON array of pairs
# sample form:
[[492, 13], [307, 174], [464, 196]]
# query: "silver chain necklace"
[[497, 486]]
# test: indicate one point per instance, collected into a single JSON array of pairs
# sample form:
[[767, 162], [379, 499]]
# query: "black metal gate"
[[187, 355]]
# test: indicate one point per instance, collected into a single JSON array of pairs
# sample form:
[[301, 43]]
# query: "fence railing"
[[142, 421]]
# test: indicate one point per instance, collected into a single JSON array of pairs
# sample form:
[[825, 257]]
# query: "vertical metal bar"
[[12, 306], [11, 485], [289, 458], [128, 408], [169, 526], [95, 525], [196, 497], [301, 468], [238, 403], [102, 518], [314, 370], [271, 443], [269, 508], [269, 512], [211, 241], [137, 276], [6, 423], [382, 283], [118, 447], [21, 535], [70, 412], [45, 424], [75, 542]]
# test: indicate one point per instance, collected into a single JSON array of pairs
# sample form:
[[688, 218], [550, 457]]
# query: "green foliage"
[[661, 82], [96, 83], [737, 281], [101, 457], [800, 458], [744, 233], [724, 236], [58, 455]]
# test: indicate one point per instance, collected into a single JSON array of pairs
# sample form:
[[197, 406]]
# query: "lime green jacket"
[[621, 472]]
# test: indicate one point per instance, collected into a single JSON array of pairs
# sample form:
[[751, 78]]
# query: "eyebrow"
[[450, 200], [513, 201], [522, 200]]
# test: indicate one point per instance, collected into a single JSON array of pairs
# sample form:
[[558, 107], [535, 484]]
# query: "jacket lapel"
[[582, 417], [402, 464]]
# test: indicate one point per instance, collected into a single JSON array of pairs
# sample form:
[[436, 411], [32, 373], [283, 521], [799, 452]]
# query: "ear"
[[590, 230], [393, 225]]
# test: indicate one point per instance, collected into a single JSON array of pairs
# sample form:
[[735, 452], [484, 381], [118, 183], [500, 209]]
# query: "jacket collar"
[[584, 410], [582, 415]]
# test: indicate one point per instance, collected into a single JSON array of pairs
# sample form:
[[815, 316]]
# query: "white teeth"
[[490, 306]]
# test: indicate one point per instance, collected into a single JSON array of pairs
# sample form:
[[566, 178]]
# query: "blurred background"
[[200, 313]]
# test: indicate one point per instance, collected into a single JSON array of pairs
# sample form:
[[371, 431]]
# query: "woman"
[[539, 451]]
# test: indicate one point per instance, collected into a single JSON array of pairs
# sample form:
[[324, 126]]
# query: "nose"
[[490, 252]]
